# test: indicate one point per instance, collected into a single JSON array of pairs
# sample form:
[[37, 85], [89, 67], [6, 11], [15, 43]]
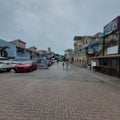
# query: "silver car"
[[5, 64]]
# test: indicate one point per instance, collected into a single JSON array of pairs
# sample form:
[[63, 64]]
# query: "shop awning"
[[107, 56]]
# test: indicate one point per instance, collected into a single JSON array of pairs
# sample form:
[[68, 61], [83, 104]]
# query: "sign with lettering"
[[111, 27], [90, 51], [112, 50]]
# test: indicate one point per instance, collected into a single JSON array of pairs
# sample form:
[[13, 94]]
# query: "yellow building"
[[80, 45]]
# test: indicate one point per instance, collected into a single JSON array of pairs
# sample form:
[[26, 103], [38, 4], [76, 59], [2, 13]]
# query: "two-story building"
[[21, 51], [33, 52], [16, 49], [80, 48], [94, 47]]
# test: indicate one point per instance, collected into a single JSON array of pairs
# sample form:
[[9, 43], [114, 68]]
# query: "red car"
[[25, 66]]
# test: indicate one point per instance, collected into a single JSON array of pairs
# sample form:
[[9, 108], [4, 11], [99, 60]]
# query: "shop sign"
[[90, 51], [111, 27], [112, 50]]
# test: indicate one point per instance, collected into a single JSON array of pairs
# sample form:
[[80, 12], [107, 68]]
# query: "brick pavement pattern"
[[54, 99], [25, 99]]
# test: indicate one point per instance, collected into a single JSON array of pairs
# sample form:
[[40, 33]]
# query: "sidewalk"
[[101, 76]]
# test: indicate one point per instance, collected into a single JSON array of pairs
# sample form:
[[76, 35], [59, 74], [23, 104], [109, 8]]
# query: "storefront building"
[[80, 45], [16, 49], [108, 59]]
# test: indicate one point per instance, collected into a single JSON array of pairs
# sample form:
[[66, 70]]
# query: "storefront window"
[[114, 64], [112, 40]]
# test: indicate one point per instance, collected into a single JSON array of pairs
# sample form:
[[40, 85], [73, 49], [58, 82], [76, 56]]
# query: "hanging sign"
[[111, 27]]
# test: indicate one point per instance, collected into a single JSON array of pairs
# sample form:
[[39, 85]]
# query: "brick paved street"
[[57, 94]]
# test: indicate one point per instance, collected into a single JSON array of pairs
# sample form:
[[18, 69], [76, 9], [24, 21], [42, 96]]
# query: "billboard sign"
[[112, 26]]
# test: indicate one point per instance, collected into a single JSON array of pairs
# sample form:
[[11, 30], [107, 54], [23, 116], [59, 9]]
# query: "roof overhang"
[[107, 56]]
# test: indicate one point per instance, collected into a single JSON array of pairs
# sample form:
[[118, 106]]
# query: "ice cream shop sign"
[[112, 26]]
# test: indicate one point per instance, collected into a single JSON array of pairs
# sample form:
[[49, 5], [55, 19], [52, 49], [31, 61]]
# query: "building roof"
[[7, 42], [99, 35], [33, 47], [43, 51], [70, 49], [77, 38], [81, 37], [18, 40]]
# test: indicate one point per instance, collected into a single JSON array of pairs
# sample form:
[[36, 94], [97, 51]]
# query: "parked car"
[[14, 62], [44, 62], [36, 61], [5, 64], [51, 62], [25, 66], [42, 66]]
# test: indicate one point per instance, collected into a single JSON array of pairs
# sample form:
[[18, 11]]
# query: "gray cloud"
[[54, 23]]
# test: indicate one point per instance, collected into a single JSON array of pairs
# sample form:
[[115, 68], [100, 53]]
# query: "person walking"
[[57, 62], [63, 64], [67, 65]]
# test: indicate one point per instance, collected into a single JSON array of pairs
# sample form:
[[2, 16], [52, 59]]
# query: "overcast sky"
[[54, 23]]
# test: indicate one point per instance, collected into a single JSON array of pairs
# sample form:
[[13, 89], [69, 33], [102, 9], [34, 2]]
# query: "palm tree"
[[3, 52]]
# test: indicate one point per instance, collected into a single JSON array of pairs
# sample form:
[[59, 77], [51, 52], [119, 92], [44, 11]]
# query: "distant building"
[[34, 49], [99, 35], [49, 49], [81, 44], [34, 52], [69, 55], [46, 53], [42, 52]]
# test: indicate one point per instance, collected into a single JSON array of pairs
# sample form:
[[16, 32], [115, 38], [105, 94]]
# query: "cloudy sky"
[[54, 23]]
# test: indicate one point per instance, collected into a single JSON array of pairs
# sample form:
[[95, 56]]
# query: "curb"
[[101, 79], [97, 77]]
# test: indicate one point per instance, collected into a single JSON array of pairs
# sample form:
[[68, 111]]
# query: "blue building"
[[17, 50], [11, 50]]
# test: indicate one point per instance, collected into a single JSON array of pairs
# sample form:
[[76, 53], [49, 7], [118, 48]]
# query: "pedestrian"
[[57, 62], [63, 64], [66, 65]]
